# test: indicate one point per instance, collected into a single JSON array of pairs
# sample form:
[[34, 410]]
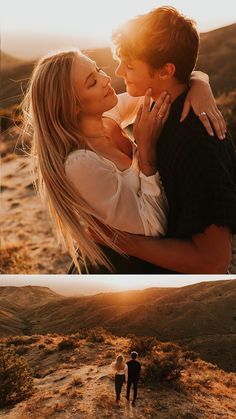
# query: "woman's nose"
[[119, 70], [106, 79]]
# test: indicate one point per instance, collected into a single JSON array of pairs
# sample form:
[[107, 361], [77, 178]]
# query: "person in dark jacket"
[[134, 369]]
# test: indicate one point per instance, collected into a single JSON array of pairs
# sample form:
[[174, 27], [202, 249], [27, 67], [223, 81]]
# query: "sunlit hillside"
[[202, 315], [72, 378]]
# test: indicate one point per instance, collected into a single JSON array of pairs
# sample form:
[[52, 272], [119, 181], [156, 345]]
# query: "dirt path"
[[28, 239]]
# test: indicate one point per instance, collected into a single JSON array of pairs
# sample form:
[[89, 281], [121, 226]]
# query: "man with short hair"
[[134, 369], [158, 51]]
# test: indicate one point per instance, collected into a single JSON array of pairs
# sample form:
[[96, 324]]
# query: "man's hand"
[[115, 235]]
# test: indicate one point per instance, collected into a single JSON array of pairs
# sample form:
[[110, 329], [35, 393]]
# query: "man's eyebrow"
[[91, 74]]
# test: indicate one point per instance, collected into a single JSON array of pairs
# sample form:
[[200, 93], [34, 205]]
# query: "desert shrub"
[[38, 374], [22, 340], [142, 344], [16, 382], [48, 341], [97, 335], [230, 380], [22, 350], [76, 381], [205, 380], [162, 367], [66, 344], [81, 334], [168, 346], [53, 335], [191, 355], [41, 346], [48, 351]]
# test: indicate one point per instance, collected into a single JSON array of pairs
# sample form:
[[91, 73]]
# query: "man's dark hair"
[[159, 37], [134, 354]]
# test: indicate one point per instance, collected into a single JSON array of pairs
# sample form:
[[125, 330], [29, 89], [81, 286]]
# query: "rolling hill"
[[217, 58], [202, 316]]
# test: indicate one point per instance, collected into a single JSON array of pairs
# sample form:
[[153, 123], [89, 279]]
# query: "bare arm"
[[205, 253]]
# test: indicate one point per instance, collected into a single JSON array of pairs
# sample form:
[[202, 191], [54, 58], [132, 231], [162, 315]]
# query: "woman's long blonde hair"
[[119, 364], [50, 110]]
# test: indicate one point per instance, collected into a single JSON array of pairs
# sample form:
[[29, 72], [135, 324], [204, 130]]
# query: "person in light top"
[[120, 368]]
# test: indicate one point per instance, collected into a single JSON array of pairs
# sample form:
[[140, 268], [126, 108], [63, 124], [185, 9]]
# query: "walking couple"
[[164, 203], [129, 373]]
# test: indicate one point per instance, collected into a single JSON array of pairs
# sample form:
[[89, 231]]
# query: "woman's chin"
[[112, 102]]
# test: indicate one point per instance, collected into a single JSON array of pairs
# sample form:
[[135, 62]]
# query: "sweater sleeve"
[[112, 200], [124, 113]]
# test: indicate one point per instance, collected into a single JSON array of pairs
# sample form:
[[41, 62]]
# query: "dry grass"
[[14, 258], [76, 382], [105, 405], [22, 340], [84, 389], [36, 408]]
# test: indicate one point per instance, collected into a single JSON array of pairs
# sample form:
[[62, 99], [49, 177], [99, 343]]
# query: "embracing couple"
[[163, 203]]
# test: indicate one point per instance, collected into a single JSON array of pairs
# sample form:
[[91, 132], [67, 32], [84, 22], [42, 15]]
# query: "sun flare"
[[35, 28]]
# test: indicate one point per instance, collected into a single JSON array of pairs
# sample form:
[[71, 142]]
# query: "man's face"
[[136, 74]]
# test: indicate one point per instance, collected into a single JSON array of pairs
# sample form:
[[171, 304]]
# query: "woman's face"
[[93, 87]]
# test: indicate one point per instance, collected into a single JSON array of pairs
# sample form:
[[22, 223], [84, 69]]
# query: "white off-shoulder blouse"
[[123, 371], [126, 200]]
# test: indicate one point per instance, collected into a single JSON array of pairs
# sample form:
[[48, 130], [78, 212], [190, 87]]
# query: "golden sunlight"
[[36, 27], [76, 17]]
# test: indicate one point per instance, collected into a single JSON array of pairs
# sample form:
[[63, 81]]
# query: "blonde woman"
[[121, 375], [86, 167]]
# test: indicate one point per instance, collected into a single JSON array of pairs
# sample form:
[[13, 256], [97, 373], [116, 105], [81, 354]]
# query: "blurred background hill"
[[217, 58]]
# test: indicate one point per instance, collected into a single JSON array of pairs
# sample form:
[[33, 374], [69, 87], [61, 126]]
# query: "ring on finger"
[[159, 115], [202, 114]]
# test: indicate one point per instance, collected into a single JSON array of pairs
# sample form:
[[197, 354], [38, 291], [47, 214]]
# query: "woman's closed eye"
[[94, 81]]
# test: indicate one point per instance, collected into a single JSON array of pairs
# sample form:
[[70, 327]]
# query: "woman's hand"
[[201, 99], [147, 129]]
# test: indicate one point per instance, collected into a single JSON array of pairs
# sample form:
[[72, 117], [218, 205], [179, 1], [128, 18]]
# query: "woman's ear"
[[166, 72]]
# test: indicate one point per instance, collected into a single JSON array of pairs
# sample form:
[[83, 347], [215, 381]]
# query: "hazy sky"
[[92, 19], [93, 284]]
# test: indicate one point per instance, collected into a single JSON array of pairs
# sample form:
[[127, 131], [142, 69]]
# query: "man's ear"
[[166, 72]]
